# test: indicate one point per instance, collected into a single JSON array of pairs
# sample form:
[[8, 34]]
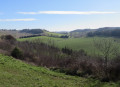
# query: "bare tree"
[[108, 48]]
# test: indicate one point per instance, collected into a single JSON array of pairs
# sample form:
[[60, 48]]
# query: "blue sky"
[[59, 15]]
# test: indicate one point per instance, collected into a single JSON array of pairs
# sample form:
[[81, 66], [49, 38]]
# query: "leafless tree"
[[108, 49]]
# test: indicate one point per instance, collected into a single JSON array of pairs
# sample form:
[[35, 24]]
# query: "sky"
[[59, 15]]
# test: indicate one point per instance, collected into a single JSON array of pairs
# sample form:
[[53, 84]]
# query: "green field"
[[85, 43], [54, 34], [15, 73]]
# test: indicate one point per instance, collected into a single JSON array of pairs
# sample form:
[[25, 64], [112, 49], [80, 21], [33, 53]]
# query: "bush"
[[8, 38], [67, 51], [17, 53]]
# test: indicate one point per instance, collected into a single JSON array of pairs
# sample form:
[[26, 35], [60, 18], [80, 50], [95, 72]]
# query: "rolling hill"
[[85, 43]]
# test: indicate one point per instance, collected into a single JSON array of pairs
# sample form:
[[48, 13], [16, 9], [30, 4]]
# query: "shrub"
[[67, 51], [8, 38], [17, 53]]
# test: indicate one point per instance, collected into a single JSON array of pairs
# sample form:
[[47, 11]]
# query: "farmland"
[[85, 43]]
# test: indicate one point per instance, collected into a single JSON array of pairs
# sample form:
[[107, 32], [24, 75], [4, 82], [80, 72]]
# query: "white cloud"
[[31, 19], [69, 12], [27, 12]]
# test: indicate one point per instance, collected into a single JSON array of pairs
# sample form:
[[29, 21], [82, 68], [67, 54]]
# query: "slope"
[[15, 73]]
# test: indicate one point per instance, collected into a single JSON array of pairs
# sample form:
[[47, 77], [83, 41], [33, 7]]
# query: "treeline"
[[32, 31], [57, 36], [29, 36], [36, 35], [64, 36], [62, 60]]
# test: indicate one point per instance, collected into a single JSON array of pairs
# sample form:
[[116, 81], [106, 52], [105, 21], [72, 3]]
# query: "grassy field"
[[15, 73], [54, 34], [72, 43]]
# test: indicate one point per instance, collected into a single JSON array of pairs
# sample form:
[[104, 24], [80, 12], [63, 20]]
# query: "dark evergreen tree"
[[17, 53]]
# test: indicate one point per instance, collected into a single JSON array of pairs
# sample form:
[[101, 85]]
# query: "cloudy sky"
[[59, 15]]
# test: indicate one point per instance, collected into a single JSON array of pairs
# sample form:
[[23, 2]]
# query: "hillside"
[[32, 31], [85, 43], [15, 73], [25, 33], [80, 32], [105, 31], [14, 33]]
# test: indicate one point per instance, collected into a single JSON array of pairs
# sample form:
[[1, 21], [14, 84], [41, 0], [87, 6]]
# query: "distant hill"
[[106, 31], [109, 28], [80, 32], [14, 33]]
